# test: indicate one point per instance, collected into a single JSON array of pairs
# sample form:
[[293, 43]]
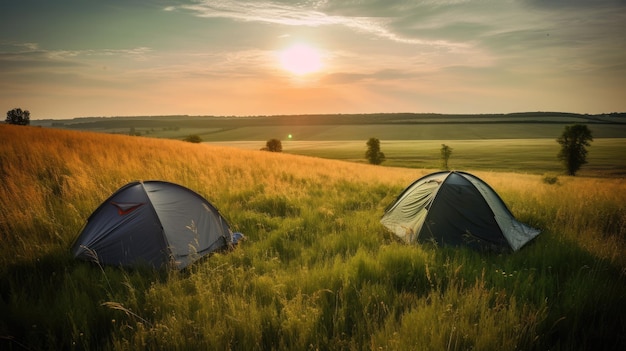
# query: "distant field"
[[455, 131], [523, 142], [399, 126], [536, 156]]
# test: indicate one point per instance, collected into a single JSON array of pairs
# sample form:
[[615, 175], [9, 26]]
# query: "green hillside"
[[317, 271], [394, 126]]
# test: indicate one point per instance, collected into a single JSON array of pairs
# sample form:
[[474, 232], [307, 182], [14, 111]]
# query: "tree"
[[446, 151], [18, 116], [373, 153], [194, 138], [274, 145], [574, 140]]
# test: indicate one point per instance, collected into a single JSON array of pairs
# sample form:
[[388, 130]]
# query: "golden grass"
[[318, 268], [73, 172], [53, 179]]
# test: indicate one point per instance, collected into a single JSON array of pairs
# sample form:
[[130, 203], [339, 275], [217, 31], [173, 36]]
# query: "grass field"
[[358, 132], [535, 156], [407, 132], [398, 126], [524, 142], [317, 271]]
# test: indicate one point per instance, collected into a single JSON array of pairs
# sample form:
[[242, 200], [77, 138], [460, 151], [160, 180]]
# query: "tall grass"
[[317, 270]]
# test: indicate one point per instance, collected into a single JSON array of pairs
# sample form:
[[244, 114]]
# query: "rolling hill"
[[317, 270]]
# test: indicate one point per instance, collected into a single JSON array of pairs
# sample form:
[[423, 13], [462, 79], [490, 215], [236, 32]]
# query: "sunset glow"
[[203, 57], [300, 59]]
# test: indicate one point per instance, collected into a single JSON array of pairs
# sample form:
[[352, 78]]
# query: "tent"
[[457, 209], [155, 223]]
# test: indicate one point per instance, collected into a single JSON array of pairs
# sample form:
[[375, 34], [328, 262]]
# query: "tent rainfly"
[[155, 223], [456, 209]]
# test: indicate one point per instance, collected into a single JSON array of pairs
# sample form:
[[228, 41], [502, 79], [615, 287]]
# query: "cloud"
[[29, 60], [16, 51], [307, 14], [385, 75], [565, 4]]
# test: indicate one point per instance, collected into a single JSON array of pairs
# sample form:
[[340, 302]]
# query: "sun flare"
[[300, 59]]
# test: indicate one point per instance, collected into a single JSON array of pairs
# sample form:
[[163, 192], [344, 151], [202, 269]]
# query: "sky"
[[83, 58]]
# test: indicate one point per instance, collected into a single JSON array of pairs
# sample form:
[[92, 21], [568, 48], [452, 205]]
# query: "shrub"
[[373, 153], [573, 153], [446, 151], [194, 138], [18, 116], [550, 179], [273, 145]]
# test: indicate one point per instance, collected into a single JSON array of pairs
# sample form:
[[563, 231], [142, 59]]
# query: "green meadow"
[[317, 270], [536, 156], [518, 142]]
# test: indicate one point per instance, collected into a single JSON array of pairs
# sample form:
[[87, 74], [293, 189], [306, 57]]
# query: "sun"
[[300, 59]]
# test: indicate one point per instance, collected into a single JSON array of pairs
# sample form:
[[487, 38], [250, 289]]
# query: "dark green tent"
[[457, 209]]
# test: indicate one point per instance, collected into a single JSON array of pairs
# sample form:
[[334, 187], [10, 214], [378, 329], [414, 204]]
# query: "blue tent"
[[155, 223]]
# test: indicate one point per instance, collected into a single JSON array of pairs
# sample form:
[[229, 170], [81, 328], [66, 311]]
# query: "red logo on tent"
[[124, 208]]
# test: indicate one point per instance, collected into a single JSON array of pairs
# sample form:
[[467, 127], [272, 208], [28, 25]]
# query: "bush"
[[573, 153], [446, 151], [550, 179], [273, 145], [373, 153], [194, 138], [18, 116]]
